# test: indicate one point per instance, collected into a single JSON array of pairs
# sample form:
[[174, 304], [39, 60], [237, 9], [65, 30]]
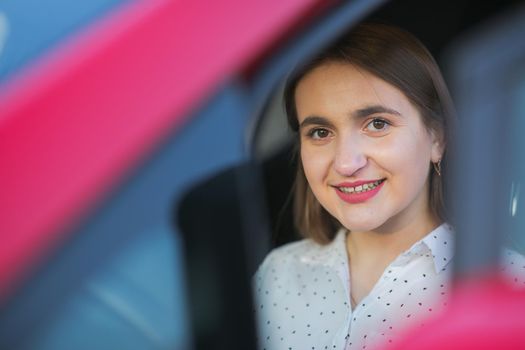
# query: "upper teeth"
[[361, 188]]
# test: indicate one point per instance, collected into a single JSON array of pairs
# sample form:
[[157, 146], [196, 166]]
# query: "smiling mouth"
[[361, 188]]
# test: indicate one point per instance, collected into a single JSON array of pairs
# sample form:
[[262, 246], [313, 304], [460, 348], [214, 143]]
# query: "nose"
[[350, 156]]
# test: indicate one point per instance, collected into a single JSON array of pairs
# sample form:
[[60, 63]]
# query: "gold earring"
[[437, 167]]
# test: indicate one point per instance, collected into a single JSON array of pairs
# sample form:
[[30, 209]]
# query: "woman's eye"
[[377, 125], [319, 133]]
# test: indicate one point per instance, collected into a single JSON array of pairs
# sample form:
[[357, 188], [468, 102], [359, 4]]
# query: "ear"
[[438, 147]]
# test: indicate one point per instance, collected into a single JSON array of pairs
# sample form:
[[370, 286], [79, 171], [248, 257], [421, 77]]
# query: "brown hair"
[[400, 59]]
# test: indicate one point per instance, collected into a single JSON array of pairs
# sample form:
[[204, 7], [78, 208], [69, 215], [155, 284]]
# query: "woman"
[[372, 116]]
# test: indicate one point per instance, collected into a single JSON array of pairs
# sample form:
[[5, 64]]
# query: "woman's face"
[[365, 151]]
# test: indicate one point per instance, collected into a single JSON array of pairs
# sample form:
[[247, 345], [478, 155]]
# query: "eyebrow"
[[315, 120], [374, 109], [359, 114]]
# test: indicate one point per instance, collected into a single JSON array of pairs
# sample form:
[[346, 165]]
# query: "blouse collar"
[[439, 244]]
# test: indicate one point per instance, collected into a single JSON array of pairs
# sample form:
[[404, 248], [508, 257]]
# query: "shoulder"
[[285, 288], [286, 256], [511, 256], [513, 266], [276, 279], [512, 260], [301, 257]]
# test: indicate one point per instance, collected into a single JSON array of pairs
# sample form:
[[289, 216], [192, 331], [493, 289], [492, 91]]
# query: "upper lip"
[[356, 183]]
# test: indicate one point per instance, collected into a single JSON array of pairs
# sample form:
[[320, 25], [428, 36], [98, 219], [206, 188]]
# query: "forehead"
[[334, 88]]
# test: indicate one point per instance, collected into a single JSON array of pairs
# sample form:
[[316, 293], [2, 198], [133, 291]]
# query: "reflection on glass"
[[514, 198], [516, 162], [4, 28]]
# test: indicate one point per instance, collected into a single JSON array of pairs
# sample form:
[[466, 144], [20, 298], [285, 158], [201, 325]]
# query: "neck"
[[382, 245]]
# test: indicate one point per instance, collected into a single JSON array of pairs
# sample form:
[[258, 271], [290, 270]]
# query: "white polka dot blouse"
[[302, 294]]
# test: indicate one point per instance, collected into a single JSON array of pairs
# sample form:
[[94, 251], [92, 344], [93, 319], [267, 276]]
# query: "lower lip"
[[355, 198]]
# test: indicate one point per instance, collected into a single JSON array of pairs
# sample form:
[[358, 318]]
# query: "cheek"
[[409, 158], [410, 149], [315, 164]]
